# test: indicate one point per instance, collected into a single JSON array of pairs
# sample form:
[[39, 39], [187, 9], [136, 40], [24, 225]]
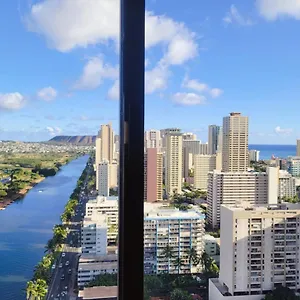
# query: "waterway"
[[26, 226]]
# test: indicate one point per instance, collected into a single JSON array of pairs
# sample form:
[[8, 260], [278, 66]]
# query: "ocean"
[[281, 151]]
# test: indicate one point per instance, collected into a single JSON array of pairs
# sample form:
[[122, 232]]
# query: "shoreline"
[[6, 201], [22, 193]]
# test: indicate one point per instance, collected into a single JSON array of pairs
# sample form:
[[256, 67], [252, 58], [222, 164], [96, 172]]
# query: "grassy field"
[[25, 170]]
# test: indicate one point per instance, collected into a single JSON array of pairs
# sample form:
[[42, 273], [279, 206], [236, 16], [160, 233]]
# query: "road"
[[68, 260]]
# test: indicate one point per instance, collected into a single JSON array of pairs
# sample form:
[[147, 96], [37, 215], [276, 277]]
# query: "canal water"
[[26, 226]]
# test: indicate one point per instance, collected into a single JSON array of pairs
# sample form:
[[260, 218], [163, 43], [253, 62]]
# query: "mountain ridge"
[[85, 140]]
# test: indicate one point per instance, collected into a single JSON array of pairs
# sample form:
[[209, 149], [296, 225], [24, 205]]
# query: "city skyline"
[[61, 84]]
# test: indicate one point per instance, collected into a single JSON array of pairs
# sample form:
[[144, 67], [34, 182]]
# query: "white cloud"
[[53, 131], [215, 92], [201, 87], [188, 99], [97, 22], [233, 16], [283, 131], [11, 101], [47, 93], [94, 72], [75, 23], [114, 91], [157, 78], [195, 85], [274, 9]]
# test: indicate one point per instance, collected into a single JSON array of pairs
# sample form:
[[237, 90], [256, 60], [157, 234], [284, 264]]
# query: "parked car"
[[63, 254]]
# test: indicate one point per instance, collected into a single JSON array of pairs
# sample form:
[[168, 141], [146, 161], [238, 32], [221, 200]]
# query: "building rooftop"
[[112, 200], [99, 292], [264, 207], [208, 237], [172, 213], [88, 258]]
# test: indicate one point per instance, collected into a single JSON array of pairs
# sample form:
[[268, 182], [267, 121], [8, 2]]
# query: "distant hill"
[[85, 140]]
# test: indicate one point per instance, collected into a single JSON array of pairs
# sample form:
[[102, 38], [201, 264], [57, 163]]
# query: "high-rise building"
[[173, 172], [203, 164], [153, 139], [293, 165], [103, 178], [190, 148], [107, 175], [179, 230], [287, 185], [105, 147], [113, 174], [98, 153], [259, 252], [298, 148], [239, 187], [235, 143], [163, 135], [203, 148], [254, 155], [189, 136], [214, 133], [153, 189]]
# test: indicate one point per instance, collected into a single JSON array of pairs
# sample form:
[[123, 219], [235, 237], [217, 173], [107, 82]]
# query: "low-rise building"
[[107, 206], [180, 230], [91, 265]]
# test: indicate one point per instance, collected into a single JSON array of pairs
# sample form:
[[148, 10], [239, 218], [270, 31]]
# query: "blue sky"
[[59, 66]]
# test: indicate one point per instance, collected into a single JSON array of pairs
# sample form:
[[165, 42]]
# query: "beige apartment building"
[[153, 175], [260, 251], [235, 143], [203, 164], [173, 171], [105, 144]]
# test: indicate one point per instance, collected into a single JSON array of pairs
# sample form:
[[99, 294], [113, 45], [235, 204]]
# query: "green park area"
[[20, 172]]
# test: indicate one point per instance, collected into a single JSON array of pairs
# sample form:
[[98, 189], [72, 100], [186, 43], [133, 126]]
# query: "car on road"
[[53, 267], [69, 271], [60, 265], [67, 263], [62, 277], [63, 254]]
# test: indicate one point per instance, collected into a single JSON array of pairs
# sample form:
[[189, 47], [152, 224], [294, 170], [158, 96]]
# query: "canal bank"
[[26, 226]]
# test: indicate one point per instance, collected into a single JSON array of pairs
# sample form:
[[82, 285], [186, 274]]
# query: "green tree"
[[30, 289], [179, 294], [41, 288], [282, 293], [104, 280], [178, 263], [3, 193], [168, 252], [194, 259]]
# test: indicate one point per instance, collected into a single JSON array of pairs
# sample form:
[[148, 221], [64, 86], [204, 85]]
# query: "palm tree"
[[194, 259], [30, 289], [50, 246], [41, 288], [167, 252], [178, 263]]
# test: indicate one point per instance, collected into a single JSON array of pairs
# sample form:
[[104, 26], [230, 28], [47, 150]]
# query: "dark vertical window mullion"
[[131, 183]]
